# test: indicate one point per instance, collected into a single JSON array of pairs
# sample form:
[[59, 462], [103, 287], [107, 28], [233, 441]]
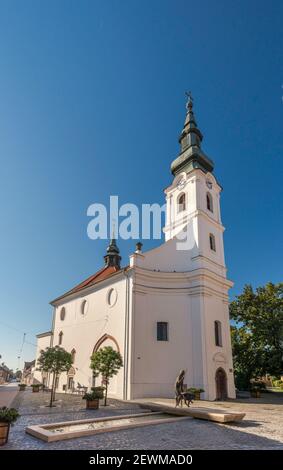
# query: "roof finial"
[[189, 103], [113, 229]]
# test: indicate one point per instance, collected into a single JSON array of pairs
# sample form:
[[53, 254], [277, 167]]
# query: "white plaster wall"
[[166, 257], [156, 364], [81, 332], [205, 227], [176, 220], [215, 308], [42, 344], [190, 308], [195, 190]]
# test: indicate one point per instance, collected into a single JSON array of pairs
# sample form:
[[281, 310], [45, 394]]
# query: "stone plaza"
[[260, 429]]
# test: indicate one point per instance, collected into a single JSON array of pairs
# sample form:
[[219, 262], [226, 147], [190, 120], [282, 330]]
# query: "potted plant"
[[35, 387], [196, 392], [8, 416], [92, 398], [99, 391], [22, 387]]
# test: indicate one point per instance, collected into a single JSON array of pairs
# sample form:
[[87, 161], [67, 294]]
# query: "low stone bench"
[[220, 416], [209, 414]]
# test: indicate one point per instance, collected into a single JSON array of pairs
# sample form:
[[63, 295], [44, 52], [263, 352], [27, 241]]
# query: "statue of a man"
[[179, 386]]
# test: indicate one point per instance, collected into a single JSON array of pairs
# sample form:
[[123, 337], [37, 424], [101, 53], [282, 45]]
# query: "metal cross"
[[189, 95], [190, 98]]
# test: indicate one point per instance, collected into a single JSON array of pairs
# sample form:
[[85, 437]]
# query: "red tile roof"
[[100, 275]]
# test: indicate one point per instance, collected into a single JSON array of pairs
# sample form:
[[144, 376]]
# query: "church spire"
[[190, 135], [112, 257], [191, 155]]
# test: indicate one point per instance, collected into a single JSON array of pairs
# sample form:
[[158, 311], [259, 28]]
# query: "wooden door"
[[221, 384]]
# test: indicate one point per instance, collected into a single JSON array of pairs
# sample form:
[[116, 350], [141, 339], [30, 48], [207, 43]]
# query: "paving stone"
[[261, 428]]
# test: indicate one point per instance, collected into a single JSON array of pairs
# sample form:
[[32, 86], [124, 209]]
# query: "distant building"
[[43, 342], [28, 372], [168, 309], [5, 374]]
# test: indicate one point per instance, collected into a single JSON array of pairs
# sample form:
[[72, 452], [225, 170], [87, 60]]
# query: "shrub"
[[99, 391], [8, 415], [94, 395], [241, 381], [195, 390], [277, 383]]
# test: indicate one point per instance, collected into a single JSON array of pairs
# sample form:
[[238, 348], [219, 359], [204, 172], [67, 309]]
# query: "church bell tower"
[[194, 230], [193, 200]]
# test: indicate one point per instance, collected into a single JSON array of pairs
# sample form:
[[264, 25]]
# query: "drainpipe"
[[126, 342], [53, 326], [51, 338]]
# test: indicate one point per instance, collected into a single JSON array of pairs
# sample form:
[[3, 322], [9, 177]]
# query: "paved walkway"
[[8, 393], [260, 429]]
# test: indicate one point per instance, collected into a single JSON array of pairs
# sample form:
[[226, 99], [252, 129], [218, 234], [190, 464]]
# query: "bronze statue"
[[180, 394]]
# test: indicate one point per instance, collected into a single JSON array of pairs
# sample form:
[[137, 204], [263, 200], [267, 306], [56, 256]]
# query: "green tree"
[[54, 361], [257, 333], [18, 374], [107, 362]]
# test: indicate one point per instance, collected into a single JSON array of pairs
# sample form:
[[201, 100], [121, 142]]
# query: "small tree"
[[54, 360], [18, 374], [106, 362]]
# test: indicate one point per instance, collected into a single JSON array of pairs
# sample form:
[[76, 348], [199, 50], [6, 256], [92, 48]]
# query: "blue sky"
[[92, 103]]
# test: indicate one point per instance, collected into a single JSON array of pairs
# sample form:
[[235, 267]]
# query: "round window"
[[112, 297], [84, 307], [62, 313]]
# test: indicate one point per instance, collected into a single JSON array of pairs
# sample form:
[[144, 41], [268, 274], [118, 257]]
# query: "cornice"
[[181, 277], [190, 291]]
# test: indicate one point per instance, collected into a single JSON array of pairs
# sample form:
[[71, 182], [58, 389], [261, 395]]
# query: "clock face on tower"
[[181, 184], [209, 184]]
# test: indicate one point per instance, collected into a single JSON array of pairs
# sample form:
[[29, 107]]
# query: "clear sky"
[[92, 103]]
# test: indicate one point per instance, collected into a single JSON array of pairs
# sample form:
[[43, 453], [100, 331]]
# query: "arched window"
[[181, 202], [218, 333], [212, 242], [209, 202], [84, 307], [62, 313], [73, 354], [60, 338]]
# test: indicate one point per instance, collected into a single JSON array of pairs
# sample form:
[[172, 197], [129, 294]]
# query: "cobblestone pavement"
[[261, 428]]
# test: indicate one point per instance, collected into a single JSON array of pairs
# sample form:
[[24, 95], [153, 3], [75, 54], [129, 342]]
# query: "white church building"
[[168, 309]]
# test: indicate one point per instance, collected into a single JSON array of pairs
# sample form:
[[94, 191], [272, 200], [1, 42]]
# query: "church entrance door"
[[221, 384]]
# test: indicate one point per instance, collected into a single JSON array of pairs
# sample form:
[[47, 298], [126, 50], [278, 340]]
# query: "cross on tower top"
[[189, 103]]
